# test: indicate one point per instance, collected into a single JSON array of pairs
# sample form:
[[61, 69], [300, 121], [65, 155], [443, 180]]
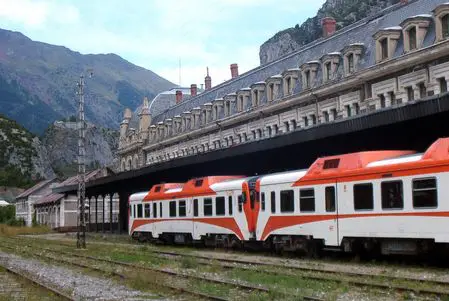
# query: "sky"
[[161, 35]]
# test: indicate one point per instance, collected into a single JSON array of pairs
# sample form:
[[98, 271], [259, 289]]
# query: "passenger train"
[[389, 202]]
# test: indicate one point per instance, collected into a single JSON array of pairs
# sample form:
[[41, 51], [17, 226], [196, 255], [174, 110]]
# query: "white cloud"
[[37, 13]]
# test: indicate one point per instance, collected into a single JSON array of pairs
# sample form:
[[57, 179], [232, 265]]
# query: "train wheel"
[[235, 244]]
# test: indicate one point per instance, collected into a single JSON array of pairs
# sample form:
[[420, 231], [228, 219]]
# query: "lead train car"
[[210, 210], [392, 202]]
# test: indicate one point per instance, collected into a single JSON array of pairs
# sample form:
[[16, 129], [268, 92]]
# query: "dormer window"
[[328, 70], [350, 63], [384, 48], [257, 91], [441, 13], [330, 64], [273, 83], [445, 26], [240, 103], [308, 72], [256, 98], [386, 42], [290, 76], [307, 79], [271, 91], [414, 31], [412, 38], [289, 85], [351, 57]]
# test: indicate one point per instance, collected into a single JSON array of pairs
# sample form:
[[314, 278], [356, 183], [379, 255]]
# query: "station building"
[[393, 58]]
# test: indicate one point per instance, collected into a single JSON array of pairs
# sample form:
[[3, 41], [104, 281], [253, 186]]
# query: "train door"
[[194, 206], [251, 194], [331, 204]]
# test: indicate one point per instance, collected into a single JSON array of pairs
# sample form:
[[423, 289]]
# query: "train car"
[[138, 211], [390, 202], [215, 210]]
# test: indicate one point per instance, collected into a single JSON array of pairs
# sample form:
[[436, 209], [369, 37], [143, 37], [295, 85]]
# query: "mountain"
[[345, 13], [23, 159], [38, 83], [61, 143], [26, 159]]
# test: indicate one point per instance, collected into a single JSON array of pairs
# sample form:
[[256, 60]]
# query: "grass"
[[6, 230]]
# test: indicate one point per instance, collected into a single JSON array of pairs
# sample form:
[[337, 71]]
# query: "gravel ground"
[[83, 287]]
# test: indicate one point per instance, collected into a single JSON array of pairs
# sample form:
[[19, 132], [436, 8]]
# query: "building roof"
[[35, 189], [95, 174], [359, 32], [54, 197]]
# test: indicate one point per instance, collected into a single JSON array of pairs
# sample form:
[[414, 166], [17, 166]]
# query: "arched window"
[[351, 63], [445, 25], [412, 37]]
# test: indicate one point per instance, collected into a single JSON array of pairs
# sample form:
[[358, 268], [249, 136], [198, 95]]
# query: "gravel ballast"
[[81, 286]]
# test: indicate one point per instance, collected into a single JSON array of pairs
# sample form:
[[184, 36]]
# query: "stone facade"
[[390, 59]]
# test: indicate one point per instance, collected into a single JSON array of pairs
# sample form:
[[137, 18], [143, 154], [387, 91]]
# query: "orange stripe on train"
[[224, 222]]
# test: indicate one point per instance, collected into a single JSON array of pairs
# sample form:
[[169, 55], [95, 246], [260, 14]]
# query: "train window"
[[182, 208], [154, 210], [230, 204], [262, 201], [139, 210], [392, 195], [240, 202], [198, 182], [172, 209], [273, 202], [307, 200], [195, 207], [207, 207], [425, 193], [147, 211], [160, 209], [134, 213], [363, 196], [131, 213], [158, 188], [287, 201], [330, 198], [331, 163], [220, 205]]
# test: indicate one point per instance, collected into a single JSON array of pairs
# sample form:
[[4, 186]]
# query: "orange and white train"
[[391, 202]]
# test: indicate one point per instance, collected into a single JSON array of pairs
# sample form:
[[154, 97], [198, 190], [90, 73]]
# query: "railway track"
[[320, 274], [15, 291], [240, 286], [380, 281]]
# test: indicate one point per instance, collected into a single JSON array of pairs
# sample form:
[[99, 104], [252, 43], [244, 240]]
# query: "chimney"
[[193, 90], [178, 96], [234, 70], [329, 26], [208, 80]]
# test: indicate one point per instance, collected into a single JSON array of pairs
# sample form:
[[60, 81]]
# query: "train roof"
[[193, 187], [137, 196], [282, 177], [357, 164], [228, 185]]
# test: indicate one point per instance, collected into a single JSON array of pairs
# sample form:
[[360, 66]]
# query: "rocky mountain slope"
[[38, 83], [23, 159], [345, 12], [26, 158], [61, 143]]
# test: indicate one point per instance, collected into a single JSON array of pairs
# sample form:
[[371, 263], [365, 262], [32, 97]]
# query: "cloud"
[[37, 13]]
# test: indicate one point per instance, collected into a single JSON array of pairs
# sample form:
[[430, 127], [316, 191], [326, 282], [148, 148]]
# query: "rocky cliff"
[[38, 82], [345, 12], [26, 158], [60, 141]]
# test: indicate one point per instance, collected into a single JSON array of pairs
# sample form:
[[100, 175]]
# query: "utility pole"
[[81, 234]]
